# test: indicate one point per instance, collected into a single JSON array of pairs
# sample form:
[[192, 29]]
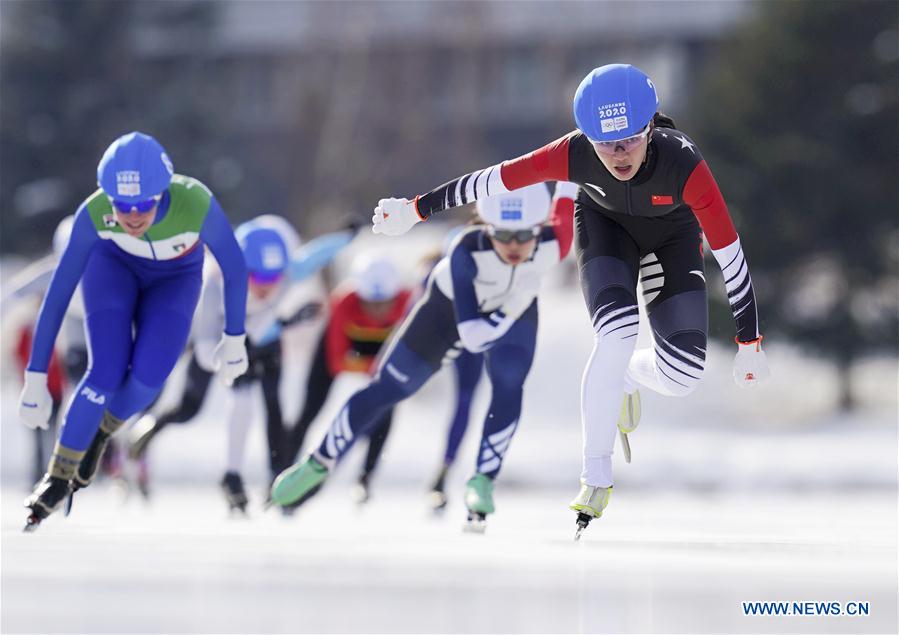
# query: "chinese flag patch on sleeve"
[[661, 199]]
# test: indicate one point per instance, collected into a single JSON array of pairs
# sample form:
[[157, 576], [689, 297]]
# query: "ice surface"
[[661, 563], [733, 496]]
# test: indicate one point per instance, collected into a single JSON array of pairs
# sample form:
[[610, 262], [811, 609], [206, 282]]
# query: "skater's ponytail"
[[661, 120]]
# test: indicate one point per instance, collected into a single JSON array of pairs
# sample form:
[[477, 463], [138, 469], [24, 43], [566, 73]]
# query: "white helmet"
[[375, 278], [518, 209], [62, 234]]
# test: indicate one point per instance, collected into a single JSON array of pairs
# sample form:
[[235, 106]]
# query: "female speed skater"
[[481, 297], [137, 249], [276, 265], [646, 198], [363, 315]]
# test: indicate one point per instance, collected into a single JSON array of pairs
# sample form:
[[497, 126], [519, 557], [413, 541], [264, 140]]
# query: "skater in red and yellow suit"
[[362, 317]]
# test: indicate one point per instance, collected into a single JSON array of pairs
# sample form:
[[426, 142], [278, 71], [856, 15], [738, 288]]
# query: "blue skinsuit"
[[138, 309]]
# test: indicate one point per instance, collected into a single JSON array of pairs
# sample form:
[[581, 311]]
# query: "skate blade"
[[476, 524], [68, 506], [32, 523], [583, 520], [625, 446], [302, 499]]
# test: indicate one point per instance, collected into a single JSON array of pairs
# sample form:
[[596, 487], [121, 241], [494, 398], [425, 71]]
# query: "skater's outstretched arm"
[[395, 216]]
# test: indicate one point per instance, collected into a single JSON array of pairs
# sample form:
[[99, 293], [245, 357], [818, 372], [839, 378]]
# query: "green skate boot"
[[479, 500], [588, 504], [628, 420], [298, 483]]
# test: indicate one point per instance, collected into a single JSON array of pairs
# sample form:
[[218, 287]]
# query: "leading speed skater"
[[646, 199]]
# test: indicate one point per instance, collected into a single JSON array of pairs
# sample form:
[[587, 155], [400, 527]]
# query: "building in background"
[[316, 109]]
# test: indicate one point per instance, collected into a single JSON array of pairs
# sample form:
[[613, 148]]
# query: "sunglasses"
[[141, 206], [266, 278], [506, 236], [628, 143]]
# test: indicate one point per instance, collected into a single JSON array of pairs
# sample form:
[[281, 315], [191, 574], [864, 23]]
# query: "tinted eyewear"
[[518, 235], [628, 143], [142, 207]]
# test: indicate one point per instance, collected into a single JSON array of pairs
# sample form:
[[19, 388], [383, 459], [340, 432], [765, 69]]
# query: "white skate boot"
[[589, 504]]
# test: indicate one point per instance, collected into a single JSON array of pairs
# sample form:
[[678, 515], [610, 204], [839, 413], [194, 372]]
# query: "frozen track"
[[674, 563]]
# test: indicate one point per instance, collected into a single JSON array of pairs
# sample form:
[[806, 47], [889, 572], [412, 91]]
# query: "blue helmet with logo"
[[264, 251], [134, 168], [614, 101]]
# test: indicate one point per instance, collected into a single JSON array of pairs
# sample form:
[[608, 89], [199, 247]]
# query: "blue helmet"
[[264, 250], [134, 168], [614, 101]]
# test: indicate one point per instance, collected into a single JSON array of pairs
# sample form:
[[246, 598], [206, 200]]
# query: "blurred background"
[[315, 110]]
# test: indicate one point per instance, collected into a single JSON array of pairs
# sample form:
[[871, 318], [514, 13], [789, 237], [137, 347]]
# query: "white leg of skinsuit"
[[239, 421], [601, 389], [661, 371]]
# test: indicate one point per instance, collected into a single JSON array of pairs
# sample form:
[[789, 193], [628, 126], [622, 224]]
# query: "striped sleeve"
[[549, 163], [701, 193], [740, 293]]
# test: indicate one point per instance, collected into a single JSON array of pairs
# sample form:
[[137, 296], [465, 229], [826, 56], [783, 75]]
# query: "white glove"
[[229, 359], [35, 402], [394, 216], [750, 364], [479, 334]]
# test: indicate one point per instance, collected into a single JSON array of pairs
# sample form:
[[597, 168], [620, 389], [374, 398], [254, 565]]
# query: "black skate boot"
[[235, 494], [90, 464], [49, 494], [55, 488]]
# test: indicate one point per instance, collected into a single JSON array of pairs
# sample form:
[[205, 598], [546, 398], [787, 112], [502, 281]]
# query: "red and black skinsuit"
[[350, 343]]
